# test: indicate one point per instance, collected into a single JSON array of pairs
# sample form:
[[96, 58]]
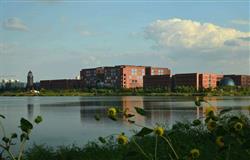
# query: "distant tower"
[[30, 84]]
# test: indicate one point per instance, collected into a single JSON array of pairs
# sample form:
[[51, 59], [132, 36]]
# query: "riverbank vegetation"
[[218, 135], [179, 91]]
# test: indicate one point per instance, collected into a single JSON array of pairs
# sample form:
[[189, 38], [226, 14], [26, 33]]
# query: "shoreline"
[[88, 94]]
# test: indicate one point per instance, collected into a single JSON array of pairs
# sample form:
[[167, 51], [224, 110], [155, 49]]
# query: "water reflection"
[[30, 108], [164, 110], [70, 120]]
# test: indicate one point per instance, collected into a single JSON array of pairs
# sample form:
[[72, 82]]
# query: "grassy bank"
[[184, 137], [133, 92]]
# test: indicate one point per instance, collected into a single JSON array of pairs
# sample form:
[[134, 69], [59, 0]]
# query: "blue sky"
[[56, 39]]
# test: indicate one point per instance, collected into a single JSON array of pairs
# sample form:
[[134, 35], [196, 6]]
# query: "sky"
[[55, 39]]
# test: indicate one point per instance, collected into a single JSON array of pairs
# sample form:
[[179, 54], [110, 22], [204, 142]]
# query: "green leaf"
[[207, 119], [22, 136], [101, 139], [246, 145], [140, 111], [38, 119], [113, 118], [2, 116], [97, 117], [5, 139], [215, 118], [130, 115], [131, 154], [225, 110], [130, 121], [197, 103], [196, 122], [144, 131], [26, 126], [13, 135]]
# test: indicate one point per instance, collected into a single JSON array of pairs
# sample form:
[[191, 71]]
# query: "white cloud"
[[86, 33], [241, 22], [15, 23], [188, 34], [7, 48]]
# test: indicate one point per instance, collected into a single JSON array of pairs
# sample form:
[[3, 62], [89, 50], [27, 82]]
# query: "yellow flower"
[[194, 153], [209, 110], [159, 131], [238, 126], [112, 112], [121, 139], [220, 141], [211, 125]]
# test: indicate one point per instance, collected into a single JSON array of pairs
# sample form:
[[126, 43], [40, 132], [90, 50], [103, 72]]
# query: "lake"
[[70, 120]]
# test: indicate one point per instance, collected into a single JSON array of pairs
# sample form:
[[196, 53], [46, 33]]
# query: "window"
[[133, 71]]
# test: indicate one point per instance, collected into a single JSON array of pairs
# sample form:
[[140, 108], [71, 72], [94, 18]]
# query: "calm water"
[[69, 120]]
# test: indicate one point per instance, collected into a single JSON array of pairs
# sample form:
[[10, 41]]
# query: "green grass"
[[236, 91]]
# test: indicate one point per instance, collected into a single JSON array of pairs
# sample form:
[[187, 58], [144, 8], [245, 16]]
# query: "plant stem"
[[170, 145], [8, 151], [138, 146], [2, 127], [156, 147], [228, 152], [21, 149]]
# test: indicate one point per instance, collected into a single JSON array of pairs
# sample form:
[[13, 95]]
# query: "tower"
[[30, 84]]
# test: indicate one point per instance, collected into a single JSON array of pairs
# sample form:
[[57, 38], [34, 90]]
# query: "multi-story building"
[[240, 80], [207, 80], [124, 76], [92, 76], [219, 78], [157, 81], [131, 76], [157, 71], [9, 84], [195, 80], [121, 76], [62, 84]]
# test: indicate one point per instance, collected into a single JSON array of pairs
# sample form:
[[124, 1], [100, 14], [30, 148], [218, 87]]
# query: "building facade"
[[157, 81], [30, 81], [157, 71], [61, 84], [121, 76], [92, 76], [207, 80], [195, 80], [240, 80]]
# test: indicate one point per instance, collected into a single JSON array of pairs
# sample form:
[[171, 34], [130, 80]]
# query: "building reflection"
[[30, 108], [159, 110], [90, 108]]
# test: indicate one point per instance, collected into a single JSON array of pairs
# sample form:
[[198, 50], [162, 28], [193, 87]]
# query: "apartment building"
[[195, 80], [121, 76], [157, 81], [92, 76], [157, 71]]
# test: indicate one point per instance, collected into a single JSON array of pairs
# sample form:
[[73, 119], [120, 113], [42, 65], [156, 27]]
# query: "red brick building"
[[122, 76], [92, 76], [207, 80], [195, 80], [157, 81], [240, 80], [157, 71], [62, 84]]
